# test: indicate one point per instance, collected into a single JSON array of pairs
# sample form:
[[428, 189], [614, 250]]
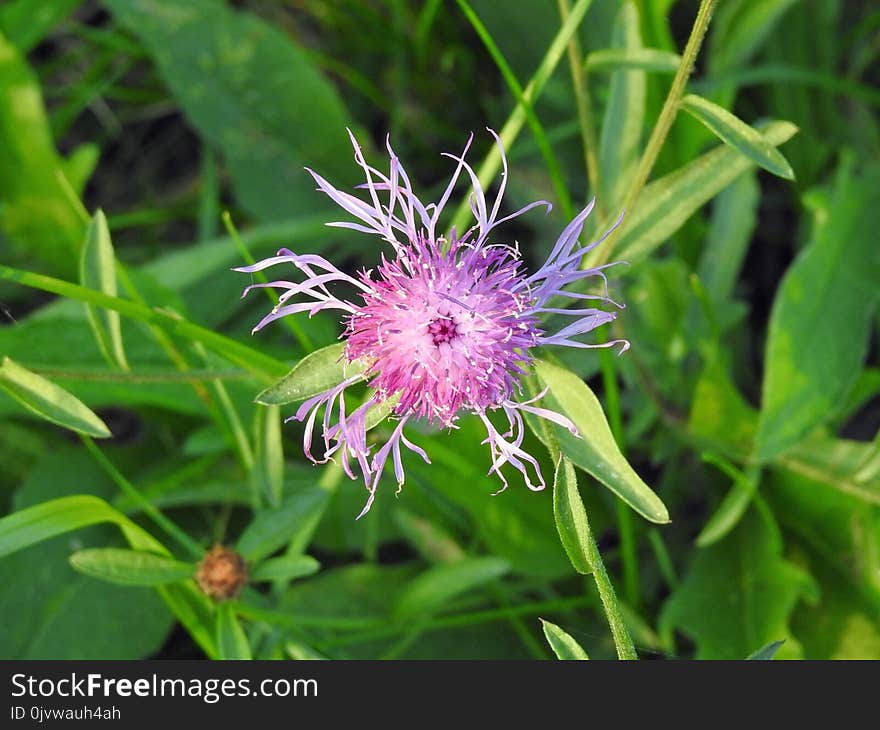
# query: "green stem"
[[601, 254], [584, 108], [518, 94], [135, 495], [517, 118], [263, 366], [625, 522], [622, 640], [465, 619]]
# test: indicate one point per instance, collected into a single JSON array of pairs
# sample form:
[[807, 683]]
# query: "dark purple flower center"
[[442, 329]]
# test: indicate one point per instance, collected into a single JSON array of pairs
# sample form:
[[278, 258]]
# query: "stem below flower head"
[[601, 254]]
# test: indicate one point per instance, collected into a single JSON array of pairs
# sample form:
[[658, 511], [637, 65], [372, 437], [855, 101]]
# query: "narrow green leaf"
[[232, 642], [270, 453], [821, 316], [731, 130], [563, 645], [316, 372], [273, 528], [620, 141], [440, 584], [130, 567], [637, 59], [50, 401], [254, 361], [285, 568], [734, 215], [97, 270], [733, 506], [571, 517], [596, 450], [665, 204], [55, 517], [767, 652]]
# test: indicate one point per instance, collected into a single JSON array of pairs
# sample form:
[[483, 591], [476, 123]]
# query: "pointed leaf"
[[57, 516], [130, 567], [571, 517], [596, 450], [665, 204], [274, 527], [315, 373], [50, 401], [821, 317], [97, 270], [563, 645], [733, 131], [440, 584], [286, 568]]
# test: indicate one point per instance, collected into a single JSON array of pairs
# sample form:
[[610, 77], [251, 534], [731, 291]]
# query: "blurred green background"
[[749, 401]]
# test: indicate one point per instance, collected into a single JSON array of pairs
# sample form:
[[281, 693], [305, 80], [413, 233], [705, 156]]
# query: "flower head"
[[445, 324]]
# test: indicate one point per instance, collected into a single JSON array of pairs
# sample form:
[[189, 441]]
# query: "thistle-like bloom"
[[446, 325]]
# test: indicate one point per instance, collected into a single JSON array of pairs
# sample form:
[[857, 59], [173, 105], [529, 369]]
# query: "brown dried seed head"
[[222, 573]]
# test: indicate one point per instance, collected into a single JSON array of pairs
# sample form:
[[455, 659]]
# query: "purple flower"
[[445, 324]]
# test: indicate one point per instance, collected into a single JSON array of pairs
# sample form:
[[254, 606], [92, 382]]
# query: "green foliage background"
[[747, 408]]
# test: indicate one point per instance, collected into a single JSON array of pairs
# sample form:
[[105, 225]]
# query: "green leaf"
[[596, 450], [254, 361], [51, 517], [734, 215], [269, 468], [821, 316], [665, 204], [738, 594], [50, 401], [440, 584], [571, 517], [97, 270], [433, 543], [50, 611], [27, 22], [637, 59], [275, 527], [720, 417], [316, 372], [38, 218], [739, 135], [130, 567], [517, 525], [563, 645], [767, 652], [733, 506], [43, 521], [620, 142], [250, 92], [816, 491], [286, 568], [231, 640]]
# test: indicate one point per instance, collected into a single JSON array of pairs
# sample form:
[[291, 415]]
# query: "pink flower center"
[[442, 329]]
